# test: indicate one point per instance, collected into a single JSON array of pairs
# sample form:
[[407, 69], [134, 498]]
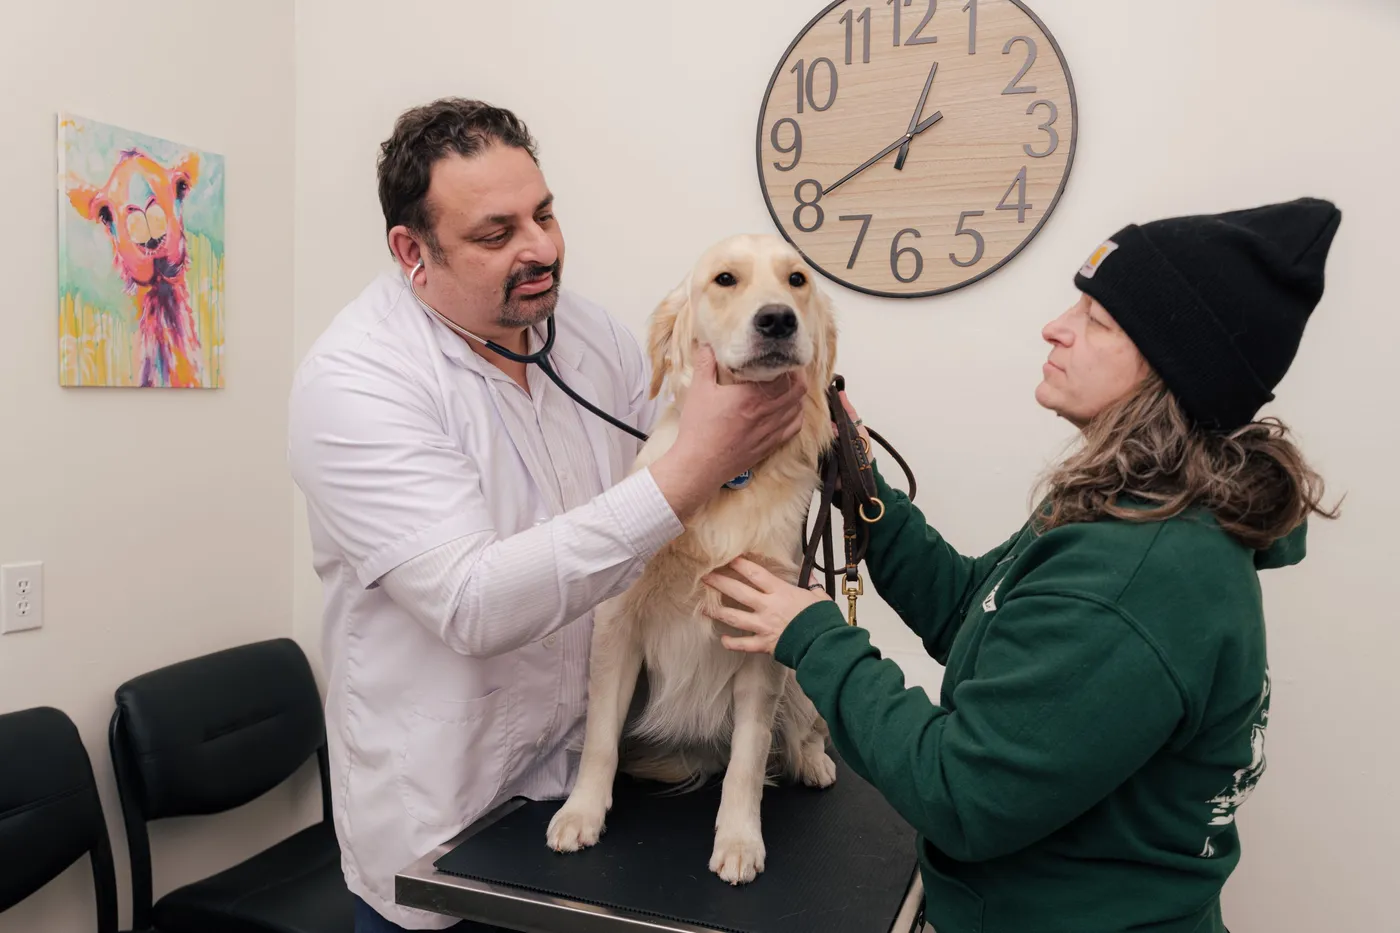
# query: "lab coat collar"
[[566, 352], [566, 356]]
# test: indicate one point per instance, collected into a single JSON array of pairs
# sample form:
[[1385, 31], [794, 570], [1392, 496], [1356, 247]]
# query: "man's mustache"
[[530, 274]]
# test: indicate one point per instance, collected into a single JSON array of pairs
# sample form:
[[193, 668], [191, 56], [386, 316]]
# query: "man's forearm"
[[485, 596]]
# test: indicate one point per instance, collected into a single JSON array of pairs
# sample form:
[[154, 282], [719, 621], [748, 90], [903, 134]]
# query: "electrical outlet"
[[21, 597]]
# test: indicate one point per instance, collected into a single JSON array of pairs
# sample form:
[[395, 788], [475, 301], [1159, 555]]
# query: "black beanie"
[[1217, 303]]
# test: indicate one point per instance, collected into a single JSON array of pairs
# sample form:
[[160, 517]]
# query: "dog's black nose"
[[775, 321]]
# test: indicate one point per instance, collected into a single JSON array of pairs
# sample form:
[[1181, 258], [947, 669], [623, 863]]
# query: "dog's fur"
[[711, 709]]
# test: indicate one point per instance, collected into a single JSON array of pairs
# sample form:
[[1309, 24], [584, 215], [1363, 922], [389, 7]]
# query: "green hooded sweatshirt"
[[1102, 715]]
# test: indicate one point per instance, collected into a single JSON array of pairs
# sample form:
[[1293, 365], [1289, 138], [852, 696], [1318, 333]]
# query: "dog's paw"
[[817, 769], [738, 859], [575, 826]]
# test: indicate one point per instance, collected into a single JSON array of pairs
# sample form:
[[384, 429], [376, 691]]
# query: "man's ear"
[[661, 336]]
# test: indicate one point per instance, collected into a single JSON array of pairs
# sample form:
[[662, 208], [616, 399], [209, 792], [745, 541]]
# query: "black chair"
[[50, 814], [212, 733]]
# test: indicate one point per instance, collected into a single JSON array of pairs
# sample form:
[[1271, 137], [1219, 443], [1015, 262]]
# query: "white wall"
[[166, 531], [646, 112]]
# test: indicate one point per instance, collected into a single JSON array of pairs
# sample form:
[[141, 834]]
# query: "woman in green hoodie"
[[1106, 688]]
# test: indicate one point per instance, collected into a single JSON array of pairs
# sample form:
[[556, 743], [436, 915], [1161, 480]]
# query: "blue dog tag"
[[740, 481]]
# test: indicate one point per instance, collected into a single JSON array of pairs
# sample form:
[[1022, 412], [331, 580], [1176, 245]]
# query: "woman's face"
[[1092, 363]]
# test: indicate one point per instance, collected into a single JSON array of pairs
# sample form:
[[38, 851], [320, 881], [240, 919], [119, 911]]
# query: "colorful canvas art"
[[140, 259]]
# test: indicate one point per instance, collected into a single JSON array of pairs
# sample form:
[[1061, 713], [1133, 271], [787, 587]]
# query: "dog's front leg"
[[615, 661], [739, 852]]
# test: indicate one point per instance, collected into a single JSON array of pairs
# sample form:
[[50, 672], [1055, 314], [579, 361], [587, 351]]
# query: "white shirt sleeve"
[[484, 596], [387, 485]]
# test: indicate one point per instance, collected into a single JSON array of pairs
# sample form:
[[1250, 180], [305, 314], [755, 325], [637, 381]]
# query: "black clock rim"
[[1025, 241]]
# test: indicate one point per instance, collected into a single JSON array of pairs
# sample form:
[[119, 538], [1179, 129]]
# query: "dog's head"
[[756, 302]]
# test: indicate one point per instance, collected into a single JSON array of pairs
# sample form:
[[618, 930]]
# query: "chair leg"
[[323, 764]]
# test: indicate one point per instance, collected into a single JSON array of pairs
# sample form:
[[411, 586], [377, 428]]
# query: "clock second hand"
[[938, 115]]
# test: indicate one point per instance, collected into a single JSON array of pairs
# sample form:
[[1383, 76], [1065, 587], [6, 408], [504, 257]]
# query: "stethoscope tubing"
[[540, 357]]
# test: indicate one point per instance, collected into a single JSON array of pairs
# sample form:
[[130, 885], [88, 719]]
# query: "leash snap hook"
[[852, 590]]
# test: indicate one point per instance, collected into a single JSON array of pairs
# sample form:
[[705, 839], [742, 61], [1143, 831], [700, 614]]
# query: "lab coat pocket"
[[451, 760]]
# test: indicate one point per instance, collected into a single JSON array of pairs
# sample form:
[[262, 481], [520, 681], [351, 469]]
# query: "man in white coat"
[[466, 515]]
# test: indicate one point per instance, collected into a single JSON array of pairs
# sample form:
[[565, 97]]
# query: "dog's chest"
[[750, 521]]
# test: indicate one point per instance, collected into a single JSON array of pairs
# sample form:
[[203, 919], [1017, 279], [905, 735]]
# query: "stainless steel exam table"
[[838, 860]]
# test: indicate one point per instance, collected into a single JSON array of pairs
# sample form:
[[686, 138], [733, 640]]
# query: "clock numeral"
[[897, 252], [897, 4], [1020, 207], [1030, 60], [976, 238], [803, 204], [1048, 127], [914, 37], [971, 9], [804, 86], [795, 148], [850, 20], [860, 237]]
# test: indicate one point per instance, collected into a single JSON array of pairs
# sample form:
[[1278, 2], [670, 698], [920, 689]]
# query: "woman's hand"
[[767, 604], [860, 429]]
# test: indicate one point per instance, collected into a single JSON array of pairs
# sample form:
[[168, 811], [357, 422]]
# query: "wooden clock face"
[[910, 147]]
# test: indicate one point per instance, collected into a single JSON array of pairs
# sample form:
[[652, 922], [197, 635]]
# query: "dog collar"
[[740, 481]]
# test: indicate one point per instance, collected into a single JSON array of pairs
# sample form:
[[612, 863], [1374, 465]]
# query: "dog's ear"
[[661, 337], [826, 336]]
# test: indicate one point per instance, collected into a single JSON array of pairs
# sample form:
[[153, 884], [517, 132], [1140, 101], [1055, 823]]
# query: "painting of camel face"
[[141, 260]]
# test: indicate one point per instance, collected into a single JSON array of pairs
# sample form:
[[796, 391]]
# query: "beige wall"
[[162, 517], [647, 138]]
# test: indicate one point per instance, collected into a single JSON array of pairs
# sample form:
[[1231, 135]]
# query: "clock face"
[[910, 147]]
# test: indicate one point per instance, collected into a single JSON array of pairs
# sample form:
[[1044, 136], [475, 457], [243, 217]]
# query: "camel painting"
[[140, 260]]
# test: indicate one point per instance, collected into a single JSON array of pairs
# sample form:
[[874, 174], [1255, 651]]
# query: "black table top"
[[838, 860]]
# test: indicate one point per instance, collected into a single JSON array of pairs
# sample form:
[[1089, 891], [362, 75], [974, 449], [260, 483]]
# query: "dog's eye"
[[797, 280], [725, 279]]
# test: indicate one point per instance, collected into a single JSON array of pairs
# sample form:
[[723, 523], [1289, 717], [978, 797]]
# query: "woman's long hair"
[[1144, 448]]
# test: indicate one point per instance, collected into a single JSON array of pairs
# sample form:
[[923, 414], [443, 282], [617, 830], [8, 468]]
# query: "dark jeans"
[[368, 920]]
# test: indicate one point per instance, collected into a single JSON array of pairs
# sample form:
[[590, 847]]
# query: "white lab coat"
[[399, 441]]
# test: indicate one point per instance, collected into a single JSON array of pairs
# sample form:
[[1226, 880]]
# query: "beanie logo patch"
[[1091, 265]]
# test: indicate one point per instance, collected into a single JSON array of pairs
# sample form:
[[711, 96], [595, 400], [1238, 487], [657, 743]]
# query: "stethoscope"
[[540, 357]]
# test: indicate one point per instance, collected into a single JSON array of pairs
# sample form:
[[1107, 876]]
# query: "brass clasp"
[[852, 590]]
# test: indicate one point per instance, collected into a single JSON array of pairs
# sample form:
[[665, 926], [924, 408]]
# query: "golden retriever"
[[709, 709]]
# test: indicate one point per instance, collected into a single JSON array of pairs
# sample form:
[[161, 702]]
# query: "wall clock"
[[909, 147]]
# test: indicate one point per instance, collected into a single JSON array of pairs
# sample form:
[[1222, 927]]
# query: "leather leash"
[[846, 463]]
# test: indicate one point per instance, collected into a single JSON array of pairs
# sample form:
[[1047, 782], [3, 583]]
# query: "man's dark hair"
[[421, 137]]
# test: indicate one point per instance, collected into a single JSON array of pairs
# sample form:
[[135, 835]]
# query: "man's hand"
[[725, 430]]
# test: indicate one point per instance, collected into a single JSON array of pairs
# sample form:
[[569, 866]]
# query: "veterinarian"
[[1106, 688], [466, 514]]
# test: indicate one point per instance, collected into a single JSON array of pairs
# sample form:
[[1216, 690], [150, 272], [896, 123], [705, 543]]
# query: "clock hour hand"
[[914, 131], [914, 120]]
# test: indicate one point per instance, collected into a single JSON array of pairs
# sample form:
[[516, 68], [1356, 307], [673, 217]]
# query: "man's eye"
[[498, 238], [546, 218]]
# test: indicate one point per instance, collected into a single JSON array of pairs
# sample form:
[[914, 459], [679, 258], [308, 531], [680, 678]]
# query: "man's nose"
[[775, 321], [540, 250]]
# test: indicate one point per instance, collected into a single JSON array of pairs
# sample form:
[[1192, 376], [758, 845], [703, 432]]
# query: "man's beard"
[[529, 310]]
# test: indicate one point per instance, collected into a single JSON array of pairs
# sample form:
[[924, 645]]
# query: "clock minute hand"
[[914, 120], [883, 152]]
